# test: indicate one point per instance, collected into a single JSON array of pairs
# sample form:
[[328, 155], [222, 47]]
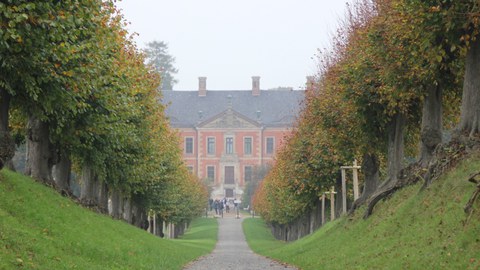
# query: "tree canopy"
[[80, 90], [384, 92]]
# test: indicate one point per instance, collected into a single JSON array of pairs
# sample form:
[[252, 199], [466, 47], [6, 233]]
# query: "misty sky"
[[230, 41]]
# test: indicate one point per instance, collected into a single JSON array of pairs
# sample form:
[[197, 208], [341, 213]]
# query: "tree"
[[259, 173], [46, 55], [157, 55]]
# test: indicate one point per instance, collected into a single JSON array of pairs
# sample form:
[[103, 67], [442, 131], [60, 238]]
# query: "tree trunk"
[[370, 168], [7, 145], [127, 210], [61, 173], [139, 215], [88, 186], [470, 110], [39, 155], [9, 165], [395, 160], [395, 148], [431, 132], [117, 204], [102, 197], [339, 196]]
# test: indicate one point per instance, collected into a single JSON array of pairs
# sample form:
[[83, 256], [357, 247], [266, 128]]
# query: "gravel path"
[[232, 251]]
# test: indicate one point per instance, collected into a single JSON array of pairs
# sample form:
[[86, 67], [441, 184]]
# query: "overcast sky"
[[230, 41]]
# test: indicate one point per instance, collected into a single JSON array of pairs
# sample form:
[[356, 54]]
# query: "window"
[[190, 169], [211, 173], [247, 145], [188, 145], [229, 145], [211, 146], [248, 173], [270, 145]]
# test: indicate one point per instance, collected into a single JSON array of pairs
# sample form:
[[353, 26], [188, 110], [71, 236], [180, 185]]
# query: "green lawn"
[[411, 230], [41, 230]]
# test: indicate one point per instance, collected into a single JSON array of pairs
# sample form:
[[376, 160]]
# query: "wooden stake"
[[355, 180], [344, 192], [323, 209], [356, 193], [332, 202]]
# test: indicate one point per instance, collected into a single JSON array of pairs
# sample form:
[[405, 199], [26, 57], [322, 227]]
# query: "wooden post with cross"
[[356, 193], [332, 203]]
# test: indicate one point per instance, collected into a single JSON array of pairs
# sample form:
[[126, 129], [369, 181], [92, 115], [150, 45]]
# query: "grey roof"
[[276, 108]]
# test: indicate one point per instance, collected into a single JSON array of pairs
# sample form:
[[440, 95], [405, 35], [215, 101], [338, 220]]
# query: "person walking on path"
[[232, 251], [215, 205], [220, 209]]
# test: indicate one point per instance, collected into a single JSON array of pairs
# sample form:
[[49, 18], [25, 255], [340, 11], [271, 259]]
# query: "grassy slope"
[[411, 230], [41, 230]]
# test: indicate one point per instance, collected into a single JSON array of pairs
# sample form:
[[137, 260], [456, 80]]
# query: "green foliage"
[[72, 65], [39, 229], [411, 230], [384, 58]]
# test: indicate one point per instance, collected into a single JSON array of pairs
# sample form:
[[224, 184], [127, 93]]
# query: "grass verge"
[[39, 229], [410, 230]]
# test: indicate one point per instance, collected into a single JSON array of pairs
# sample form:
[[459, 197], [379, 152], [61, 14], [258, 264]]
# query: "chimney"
[[310, 83], [256, 85], [202, 86]]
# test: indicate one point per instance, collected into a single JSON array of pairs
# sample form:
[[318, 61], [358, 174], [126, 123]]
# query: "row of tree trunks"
[[431, 130], [44, 165], [303, 226]]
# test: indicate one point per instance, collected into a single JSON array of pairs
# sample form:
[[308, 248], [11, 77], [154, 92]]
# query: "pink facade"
[[226, 155], [225, 134]]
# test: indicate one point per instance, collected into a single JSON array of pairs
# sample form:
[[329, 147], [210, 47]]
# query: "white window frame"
[[193, 145], [214, 172], [266, 145], [214, 146], [226, 145], [245, 144]]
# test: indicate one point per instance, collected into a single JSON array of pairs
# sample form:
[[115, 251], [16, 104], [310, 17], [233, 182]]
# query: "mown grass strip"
[[39, 229], [411, 230]]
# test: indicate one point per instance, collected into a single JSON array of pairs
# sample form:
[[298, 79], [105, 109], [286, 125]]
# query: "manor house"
[[225, 134]]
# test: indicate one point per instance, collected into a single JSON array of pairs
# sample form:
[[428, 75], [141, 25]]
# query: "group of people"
[[219, 205], [222, 204]]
